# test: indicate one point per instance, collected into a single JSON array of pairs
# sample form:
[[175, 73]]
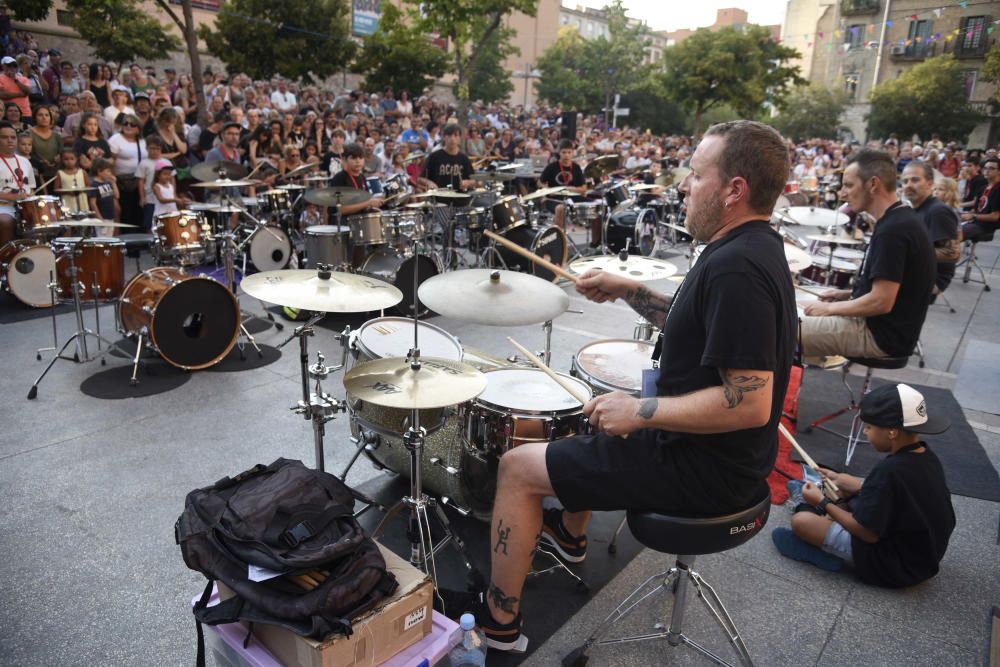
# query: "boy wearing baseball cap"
[[895, 529]]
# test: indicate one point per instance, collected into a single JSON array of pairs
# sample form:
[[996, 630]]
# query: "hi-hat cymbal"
[[216, 208], [74, 191], [493, 297], [88, 222], [796, 257], [812, 216], [337, 196], [318, 177], [425, 204], [840, 239], [301, 169], [642, 186], [444, 194], [635, 267], [600, 166], [392, 382], [224, 183], [416, 155], [308, 289], [487, 176], [291, 187], [672, 177], [544, 192], [217, 170]]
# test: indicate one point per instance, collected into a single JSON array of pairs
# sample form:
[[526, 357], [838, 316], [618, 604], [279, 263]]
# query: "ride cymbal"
[[337, 196], [327, 292], [218, 170], [493, 297]]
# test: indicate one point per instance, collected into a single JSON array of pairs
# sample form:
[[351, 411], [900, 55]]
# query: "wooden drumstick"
[[541, 261], [808, 291], [40, 187], [832, 489]]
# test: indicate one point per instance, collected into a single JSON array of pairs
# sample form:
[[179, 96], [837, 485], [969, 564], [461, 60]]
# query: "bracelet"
[[821, 505]]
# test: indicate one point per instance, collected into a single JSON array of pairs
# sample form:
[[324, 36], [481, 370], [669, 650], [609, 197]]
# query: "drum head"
[[549, 242], [398, 270], [393, 337], [614, 365], [195, 323], [529, 391], [270, 249], [28, 275]]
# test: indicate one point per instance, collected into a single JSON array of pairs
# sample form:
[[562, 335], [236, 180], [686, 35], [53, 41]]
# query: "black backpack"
[[287, 518]]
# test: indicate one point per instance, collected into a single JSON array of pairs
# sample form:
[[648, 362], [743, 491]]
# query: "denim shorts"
[[838, 543]]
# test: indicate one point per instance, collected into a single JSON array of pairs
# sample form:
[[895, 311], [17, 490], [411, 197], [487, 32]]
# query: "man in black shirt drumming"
[[448, 167], [985, 216], [883, 314], [564, 173], [706, 442], [939, 218]]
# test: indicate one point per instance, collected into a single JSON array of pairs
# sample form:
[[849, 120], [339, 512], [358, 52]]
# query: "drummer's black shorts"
[[602, 472]]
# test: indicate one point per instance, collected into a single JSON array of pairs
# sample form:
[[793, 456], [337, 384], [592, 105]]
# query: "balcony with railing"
[[960, 49], [913, 51], [853, 7]]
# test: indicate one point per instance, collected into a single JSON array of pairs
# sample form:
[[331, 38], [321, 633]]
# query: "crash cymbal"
[[598, 167], [301, 169], [635, 267], [673, 177], [215, 208], [544, 192], [642, 186], [444, 194], [329, 292], [224, 183], [218, 169], [416, 155], [291, 187], [337, 196], [88, 222], [318, 177], [425, 204], [812, 216], [796, 257], [840, 239], [489, 176], [74, 191], [393, 382], [493, 297]]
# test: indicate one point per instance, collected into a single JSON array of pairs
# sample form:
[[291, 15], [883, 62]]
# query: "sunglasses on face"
[[129, 125]]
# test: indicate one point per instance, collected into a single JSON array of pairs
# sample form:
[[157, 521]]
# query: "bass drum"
[[620, 229], [397, 269], [191, 321], [547, 242], [270, 249], [27, 267]]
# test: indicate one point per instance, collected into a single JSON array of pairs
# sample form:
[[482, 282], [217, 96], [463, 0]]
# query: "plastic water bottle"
[[469, 644]]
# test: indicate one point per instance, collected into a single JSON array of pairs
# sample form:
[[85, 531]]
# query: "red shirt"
[[8, 85]]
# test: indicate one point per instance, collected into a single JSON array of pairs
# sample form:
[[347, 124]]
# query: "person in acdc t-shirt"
[[564, 173]]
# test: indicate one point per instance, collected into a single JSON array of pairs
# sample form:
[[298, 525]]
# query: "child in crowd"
[[104, 202], [895, 529], [71, 176], [165, 199], [310, 216], [146, 172]]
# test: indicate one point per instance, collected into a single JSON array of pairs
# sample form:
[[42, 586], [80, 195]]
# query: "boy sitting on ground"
[[896, 529]]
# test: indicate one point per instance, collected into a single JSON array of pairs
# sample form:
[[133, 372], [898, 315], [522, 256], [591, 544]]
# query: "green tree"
[[926, 98], [561, 69], [399, 55], [189, 30], [489, 80], [120, 30], [466, 24], [991, 71], [741, 67], [648, 109], [304, 39], [811, 111], [29, 10]]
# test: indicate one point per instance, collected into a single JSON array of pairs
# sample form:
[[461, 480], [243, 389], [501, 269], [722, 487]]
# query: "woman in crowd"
[[99, 86], [46, 144], [12, 114], [129, 149], [184, 97], [174, 147]]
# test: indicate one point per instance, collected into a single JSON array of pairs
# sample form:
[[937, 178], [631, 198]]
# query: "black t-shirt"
[[332, 162], [906, 502], [900, 251], [555, 175], [989, 202], [81, 146], [206, 140], [342, 179], [447, 170], [734, 310], [974, 189], [942, 225]]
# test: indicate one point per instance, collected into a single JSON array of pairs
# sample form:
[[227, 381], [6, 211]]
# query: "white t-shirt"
[[285, 101], [167, 192], [16, 175], [127, 156], [111, 113]]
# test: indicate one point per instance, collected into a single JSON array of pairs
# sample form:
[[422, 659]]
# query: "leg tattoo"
[[502, 535], [502, 602]]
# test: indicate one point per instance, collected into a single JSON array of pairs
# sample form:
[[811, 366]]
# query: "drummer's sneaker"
[[499, 636], [554, 535]]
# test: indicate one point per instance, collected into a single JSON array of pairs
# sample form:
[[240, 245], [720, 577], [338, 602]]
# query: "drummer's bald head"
[[873, 163], [756, 153]]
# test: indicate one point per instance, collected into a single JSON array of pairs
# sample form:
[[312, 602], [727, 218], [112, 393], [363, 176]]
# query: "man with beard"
[[704, 443], [884, 312], [940, 219]]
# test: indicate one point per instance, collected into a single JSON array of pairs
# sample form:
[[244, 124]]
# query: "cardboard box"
[[379, 634]]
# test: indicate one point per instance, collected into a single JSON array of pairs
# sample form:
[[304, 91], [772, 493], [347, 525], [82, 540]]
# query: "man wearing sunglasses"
[[17, 180]]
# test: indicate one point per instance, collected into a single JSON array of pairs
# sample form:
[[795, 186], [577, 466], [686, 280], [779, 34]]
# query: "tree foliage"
[[121, 30], [489, 80], [649, 110], [304, 39], [929, 97], [29, 10], [811, 111], [991, 71], [741, 67], [399, 55], [587, 73]]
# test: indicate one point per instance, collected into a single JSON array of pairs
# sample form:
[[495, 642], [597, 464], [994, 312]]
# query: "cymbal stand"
[[418, 532], [230, 276], [80, 335], [569, 215], [53, 286]]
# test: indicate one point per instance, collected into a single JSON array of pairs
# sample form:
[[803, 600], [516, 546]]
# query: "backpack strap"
[[201, 604], [292, 526], [237, 609]]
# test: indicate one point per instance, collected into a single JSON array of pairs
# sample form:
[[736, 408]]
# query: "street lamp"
[[528, 74]]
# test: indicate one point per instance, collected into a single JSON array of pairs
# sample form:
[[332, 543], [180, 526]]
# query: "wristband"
[[821, 505]]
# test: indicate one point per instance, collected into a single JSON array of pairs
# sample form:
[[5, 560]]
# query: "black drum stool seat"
[[855, 434], [688, 538]]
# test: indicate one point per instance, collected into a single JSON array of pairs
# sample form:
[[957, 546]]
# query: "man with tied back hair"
[[704, 444]]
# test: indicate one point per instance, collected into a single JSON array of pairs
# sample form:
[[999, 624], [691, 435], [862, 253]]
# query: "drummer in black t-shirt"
[[353, 177], [883, 314], [706, 442], [448, 167], [564, 173]]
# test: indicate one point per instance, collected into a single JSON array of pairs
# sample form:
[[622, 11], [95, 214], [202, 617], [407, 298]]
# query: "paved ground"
[[90, 575]]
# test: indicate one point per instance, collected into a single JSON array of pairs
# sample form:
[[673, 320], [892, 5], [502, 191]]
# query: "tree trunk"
[[191, 37], [697, 122]]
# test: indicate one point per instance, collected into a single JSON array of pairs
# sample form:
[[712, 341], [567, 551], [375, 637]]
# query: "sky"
[[675, 14]]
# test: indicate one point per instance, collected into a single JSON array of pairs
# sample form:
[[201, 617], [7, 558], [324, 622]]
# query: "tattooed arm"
[[742, 401], [649, 304], [600, 286]]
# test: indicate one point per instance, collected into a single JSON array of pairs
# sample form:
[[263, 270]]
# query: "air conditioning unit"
[[898, 50]]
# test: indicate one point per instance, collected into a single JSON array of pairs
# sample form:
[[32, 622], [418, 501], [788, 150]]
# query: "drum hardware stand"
[[55, 336], [228, 238], [556, 566], [80, 336], [643, 329]]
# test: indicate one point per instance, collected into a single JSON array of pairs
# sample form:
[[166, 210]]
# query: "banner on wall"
[[365, 15]]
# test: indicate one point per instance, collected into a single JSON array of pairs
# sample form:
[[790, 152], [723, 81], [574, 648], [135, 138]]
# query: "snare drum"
[[183, 237], [522, 405], [275, 201], [26, 268], [840, 272], [374, 228], [270, 249], [36, 213], [192, 321], [403, 225], [585, 212], [397, 269], [99, 262], [326, 244], [613, 365], [507, 213]]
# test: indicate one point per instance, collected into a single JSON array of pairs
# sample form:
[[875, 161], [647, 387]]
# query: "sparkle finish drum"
[[100, 265], [26, 269], [547, 242], [275, 201]]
